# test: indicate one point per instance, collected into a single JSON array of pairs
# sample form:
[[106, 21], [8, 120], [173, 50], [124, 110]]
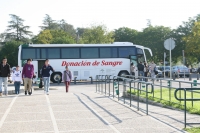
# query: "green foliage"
[[193, 42], [97, 35], [53, 37], [10, 51], [44, 37], [125, 34]]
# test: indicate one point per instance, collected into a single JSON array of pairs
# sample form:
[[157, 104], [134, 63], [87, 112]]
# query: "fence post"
[[190, 77], [91, 79], [75, 80]]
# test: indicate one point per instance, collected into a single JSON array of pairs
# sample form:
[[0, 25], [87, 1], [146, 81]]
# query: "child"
[[17, 79], [67, 78]]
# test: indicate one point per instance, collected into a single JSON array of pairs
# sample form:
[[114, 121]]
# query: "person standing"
[[67, 78], [45, 72], [141, 69], [146, 70], [4, 75], [17, 79], [132, 69], [153, 66], [27, 75]]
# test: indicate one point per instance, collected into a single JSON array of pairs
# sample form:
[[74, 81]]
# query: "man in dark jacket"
[[141, 69], [45, 72], [4, 75]]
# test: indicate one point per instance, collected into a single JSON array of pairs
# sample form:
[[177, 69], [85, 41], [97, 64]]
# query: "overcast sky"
[[112, 13]]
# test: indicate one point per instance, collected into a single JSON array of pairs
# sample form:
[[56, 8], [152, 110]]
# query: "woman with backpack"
[[67, 78]]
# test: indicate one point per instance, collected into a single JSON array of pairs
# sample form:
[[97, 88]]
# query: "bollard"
[[91, 79], [173, 76], [197, 76], [194, 83], [75, 80], [157, 77], [190, 77]]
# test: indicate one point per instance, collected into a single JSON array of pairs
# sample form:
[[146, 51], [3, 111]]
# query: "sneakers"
[[29, 93], [25, 92], [47, 93]]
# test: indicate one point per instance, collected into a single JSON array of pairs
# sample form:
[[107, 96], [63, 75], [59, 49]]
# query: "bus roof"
[[85, 45]]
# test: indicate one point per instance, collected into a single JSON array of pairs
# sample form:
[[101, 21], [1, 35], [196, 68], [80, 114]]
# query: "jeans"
[[5, 81], [46, 83], [17, 86], [141, 73]]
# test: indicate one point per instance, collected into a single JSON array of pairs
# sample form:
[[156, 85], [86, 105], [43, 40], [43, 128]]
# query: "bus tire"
[[56, 75]]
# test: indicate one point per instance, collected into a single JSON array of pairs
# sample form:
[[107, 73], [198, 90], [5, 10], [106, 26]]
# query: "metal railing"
[[186, 99], [104, 81], [115, 84]]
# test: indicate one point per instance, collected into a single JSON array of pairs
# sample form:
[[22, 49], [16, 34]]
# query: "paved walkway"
[[83, 111]]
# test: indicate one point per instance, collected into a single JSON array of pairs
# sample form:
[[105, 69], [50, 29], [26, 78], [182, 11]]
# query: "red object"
[[67, 83]]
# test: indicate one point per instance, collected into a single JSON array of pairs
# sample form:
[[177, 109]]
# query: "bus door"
[[40, 65], [133, 59]]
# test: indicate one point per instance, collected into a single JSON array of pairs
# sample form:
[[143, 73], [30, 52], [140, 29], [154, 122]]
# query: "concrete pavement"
[[83, 111]]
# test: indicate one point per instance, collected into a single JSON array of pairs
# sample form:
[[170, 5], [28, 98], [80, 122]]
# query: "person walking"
[[17, 79], [141, 70], [27, 75], [132, 70], [67, 78], [45, 72], [4, 75]]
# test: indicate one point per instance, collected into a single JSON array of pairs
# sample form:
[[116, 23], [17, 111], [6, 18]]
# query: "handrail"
[[186, 99]]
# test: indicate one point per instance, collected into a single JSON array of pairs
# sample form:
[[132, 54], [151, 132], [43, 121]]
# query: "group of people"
[[27, 76], [144, 69]]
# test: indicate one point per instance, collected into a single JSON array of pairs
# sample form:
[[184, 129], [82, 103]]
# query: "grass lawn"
[[193, 130], [166, 101]]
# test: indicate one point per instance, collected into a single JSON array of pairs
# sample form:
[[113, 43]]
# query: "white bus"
[[84, 60]]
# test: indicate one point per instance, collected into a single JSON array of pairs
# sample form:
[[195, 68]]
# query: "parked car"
[[165, 70], [193, 70], [181, 70], [160, 73]]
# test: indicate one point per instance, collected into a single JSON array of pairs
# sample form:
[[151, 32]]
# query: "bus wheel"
[[123, 73], [56, 76]]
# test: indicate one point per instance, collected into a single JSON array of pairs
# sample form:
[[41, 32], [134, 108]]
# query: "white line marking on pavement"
[[55, 126], [7, 111], [99, 115]]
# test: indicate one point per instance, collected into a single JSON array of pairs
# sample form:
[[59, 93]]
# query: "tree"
[[97, 34], [16, 30], [61, 37], [10, 51], [44, 37], [49, 23], [68, 28], [53, 37], [193, 43], [125, 34], [153, 37]]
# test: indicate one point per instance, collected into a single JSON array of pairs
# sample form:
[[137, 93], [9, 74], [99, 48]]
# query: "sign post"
[[169, 44], [183, 61], [164, 64]]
